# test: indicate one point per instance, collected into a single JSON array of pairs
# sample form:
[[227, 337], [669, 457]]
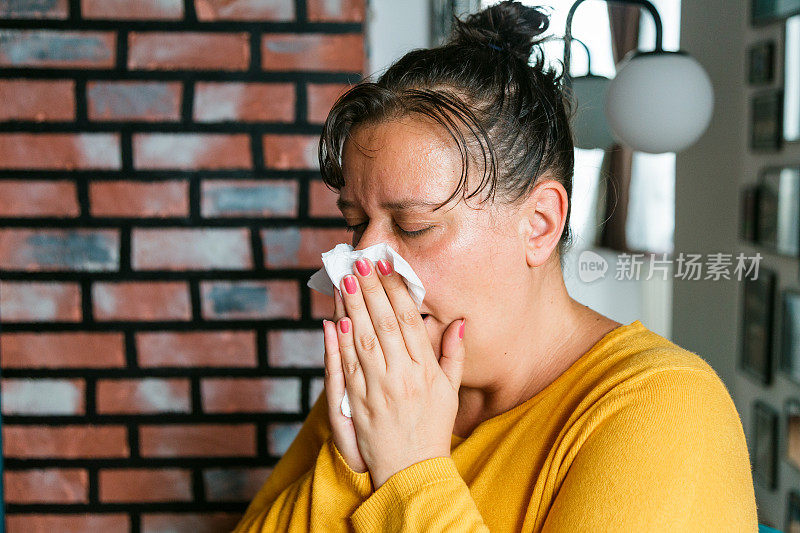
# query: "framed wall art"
[[790, 335], [766, 120], [761, 63], [765, 439], [791, 416], [791, 79], [757, 315], [778, 210], [766, 11]]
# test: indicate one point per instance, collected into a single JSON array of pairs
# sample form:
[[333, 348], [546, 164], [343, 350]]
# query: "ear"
[[542, 220]]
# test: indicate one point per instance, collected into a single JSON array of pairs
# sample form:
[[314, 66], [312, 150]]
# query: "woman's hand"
[[344, 434], [404, 402]]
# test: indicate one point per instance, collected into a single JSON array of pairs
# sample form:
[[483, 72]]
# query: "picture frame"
[[791, 418], [790, 336], [748, 212], [755, 356], [791, 80], [778, 210], [766, 120], [766, 11], [792, 512], [765, 439], [761, 63]]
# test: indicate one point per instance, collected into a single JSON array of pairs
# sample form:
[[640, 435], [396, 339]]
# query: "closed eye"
[[409, 233]]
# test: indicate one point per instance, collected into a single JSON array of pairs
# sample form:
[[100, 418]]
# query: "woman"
[[510, 407]]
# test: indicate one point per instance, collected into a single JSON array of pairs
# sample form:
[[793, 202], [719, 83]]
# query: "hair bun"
[[508, 23]]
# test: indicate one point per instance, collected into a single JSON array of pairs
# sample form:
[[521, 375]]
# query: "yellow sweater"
[[638, 434]]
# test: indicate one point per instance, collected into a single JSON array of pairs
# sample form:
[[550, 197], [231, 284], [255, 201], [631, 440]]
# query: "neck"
[[552, 333]]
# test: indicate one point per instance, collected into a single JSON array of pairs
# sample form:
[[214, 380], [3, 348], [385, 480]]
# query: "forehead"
[[400, 158]]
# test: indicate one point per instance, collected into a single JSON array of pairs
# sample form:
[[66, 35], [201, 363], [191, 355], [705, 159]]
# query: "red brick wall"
[[160, 213]]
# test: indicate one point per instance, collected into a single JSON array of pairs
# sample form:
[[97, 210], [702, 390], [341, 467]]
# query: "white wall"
[[393, 28]]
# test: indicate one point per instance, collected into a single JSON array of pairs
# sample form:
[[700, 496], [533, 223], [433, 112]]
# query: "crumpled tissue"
[[337, 263]]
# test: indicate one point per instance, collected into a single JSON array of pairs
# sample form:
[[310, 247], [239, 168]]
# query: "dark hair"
[[479, 83]]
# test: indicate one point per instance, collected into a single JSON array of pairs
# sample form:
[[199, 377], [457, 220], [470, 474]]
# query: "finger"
[[453, 353], [382, 316], [354, 379], [334, 377], [412, 327], [366, 348], [338, 305]]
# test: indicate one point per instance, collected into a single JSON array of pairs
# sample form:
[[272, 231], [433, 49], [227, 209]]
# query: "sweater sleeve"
[[427, 496], [667, 453], [311, 488]]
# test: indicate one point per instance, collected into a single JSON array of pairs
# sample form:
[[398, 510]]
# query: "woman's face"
[[470, 258]]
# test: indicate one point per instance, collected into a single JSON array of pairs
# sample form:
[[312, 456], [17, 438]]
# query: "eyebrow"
[[398, 205]]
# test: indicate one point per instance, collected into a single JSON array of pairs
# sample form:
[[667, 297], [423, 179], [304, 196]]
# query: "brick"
[[234, 484], [207, 440], [47, 485], [141, 300], [89, 250], [34, 9], [37, 100], [132, 9], [143, 396], [134, 100], [62, 350], [57, 49], [315, 388], [296, 348], [66, 442], [23, 301], [188, 51], [196, 348], [280, 436], [136, 199], [42, 396], [249, 10], [299, 248], [244, 102], [335, 10], [291, 152], [257, 299], [59, 151], [136, 485], [191, 151], [28, 199], [254, 198], [321, 97], [313, 52], [322, 306], [250, 395], [191, 249], [67, 523], [189, 523], [322, 200]]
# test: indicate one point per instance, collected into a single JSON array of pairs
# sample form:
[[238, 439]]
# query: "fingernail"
[[362, 266], [350, 284], [384, 267], [461, 328], [344, 325]]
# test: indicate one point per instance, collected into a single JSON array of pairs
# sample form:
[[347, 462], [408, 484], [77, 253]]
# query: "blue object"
[[766, 529]]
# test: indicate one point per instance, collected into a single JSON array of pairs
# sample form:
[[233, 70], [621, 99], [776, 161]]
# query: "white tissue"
[[338, 263]]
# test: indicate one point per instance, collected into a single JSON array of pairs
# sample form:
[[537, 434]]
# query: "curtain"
[[618, 159]]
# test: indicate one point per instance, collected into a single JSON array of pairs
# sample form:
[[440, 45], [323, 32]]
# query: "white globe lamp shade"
[[589, 125], [659, 101]]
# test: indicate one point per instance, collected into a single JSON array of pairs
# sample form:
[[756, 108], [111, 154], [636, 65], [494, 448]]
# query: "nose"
[[374, 234]]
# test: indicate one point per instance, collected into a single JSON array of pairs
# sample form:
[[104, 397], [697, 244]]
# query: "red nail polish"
[[461, 328], [350, 284], [344, 325], [362, 266], [384, 267]]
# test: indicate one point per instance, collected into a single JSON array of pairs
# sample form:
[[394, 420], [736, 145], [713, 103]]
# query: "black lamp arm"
[[642, 3]]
